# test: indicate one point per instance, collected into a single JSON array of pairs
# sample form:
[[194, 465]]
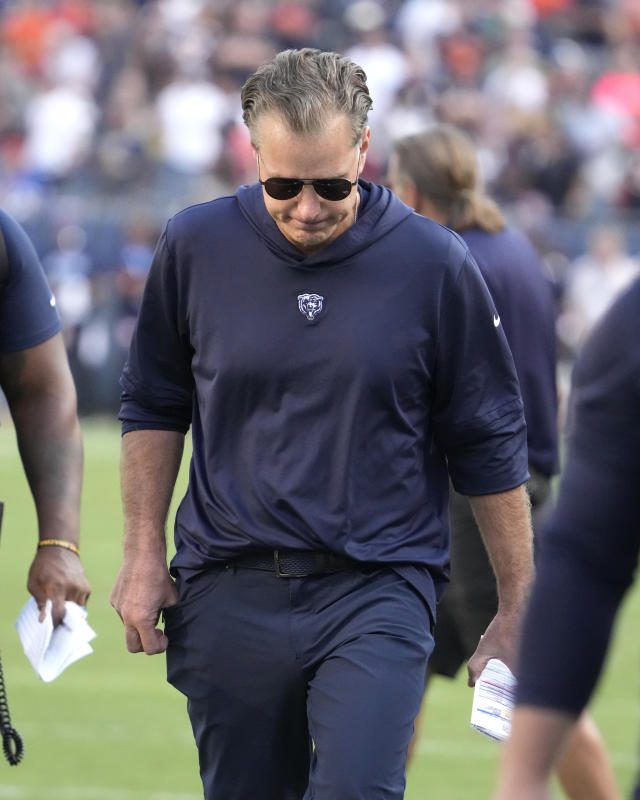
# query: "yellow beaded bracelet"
[[59, 543]]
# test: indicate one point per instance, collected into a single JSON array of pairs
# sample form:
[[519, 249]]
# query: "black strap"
[[11, 740]]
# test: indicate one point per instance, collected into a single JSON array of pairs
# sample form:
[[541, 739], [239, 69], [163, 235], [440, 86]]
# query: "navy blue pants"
[[303, 688]]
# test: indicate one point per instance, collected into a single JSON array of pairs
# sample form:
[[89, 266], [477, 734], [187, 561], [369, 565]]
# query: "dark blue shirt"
[[28, 314], [589, 549], [327, 394], [523, 295]]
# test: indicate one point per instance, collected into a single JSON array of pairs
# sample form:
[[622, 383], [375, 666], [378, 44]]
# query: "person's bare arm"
[[42, 401], [504, 520], [149, 468]]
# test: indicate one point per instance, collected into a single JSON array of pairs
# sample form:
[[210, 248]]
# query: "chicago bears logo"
[[310, 305]]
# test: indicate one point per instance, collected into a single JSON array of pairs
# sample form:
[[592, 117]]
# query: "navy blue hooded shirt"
[[523, 295], [328, 395]]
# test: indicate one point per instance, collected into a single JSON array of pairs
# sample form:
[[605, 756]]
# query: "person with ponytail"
[[437, 172]]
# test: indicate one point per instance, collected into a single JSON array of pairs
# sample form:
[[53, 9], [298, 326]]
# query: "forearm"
[[50, 444], [149, 467], [504, 520], [41, 395]]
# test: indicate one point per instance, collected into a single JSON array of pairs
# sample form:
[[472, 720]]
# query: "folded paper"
[[51, 650], [493, 700]]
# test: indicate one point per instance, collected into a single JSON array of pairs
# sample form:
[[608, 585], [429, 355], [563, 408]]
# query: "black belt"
[[294, 563]]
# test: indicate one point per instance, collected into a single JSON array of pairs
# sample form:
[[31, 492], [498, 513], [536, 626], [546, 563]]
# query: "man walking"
[[336, 358]]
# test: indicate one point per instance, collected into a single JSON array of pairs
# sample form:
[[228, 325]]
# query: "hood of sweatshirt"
[[379, 212]]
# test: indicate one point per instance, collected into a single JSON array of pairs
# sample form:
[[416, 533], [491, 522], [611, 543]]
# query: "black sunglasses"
[[327, 188]]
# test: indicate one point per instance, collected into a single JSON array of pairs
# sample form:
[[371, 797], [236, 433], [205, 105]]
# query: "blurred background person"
[[100, 341], [594, 281], [437, 173], [387, 67], [587, 559]]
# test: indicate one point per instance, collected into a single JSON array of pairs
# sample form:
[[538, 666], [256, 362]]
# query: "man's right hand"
[[57, 574], [500, 640], [142, 589]]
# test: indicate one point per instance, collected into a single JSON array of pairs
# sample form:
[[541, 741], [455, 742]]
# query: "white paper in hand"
[[51, 650], [493, 699]]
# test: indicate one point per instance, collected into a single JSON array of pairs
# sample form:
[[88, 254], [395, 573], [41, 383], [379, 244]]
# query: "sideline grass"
[[110, 728]]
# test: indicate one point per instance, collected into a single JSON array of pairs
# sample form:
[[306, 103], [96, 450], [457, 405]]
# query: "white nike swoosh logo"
[[496, 320]]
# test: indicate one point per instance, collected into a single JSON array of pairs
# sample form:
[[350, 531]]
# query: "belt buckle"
[[276, 563]]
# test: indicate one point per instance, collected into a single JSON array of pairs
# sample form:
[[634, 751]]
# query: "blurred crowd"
[[114, 114]]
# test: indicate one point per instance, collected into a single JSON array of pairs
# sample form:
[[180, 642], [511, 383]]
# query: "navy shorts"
[[303, 688]]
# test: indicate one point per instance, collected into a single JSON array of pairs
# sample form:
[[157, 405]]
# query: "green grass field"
[[110, 728]]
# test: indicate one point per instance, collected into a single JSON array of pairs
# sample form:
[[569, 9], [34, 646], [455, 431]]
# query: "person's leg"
[[583, 769], [230, 653], [366, 688], [447, 658]]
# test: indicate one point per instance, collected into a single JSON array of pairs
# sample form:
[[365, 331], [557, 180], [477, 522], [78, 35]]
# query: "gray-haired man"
[[335, 356]]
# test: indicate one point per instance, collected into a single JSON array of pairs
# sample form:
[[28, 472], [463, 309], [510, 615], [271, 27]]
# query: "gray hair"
[[304, 86]]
